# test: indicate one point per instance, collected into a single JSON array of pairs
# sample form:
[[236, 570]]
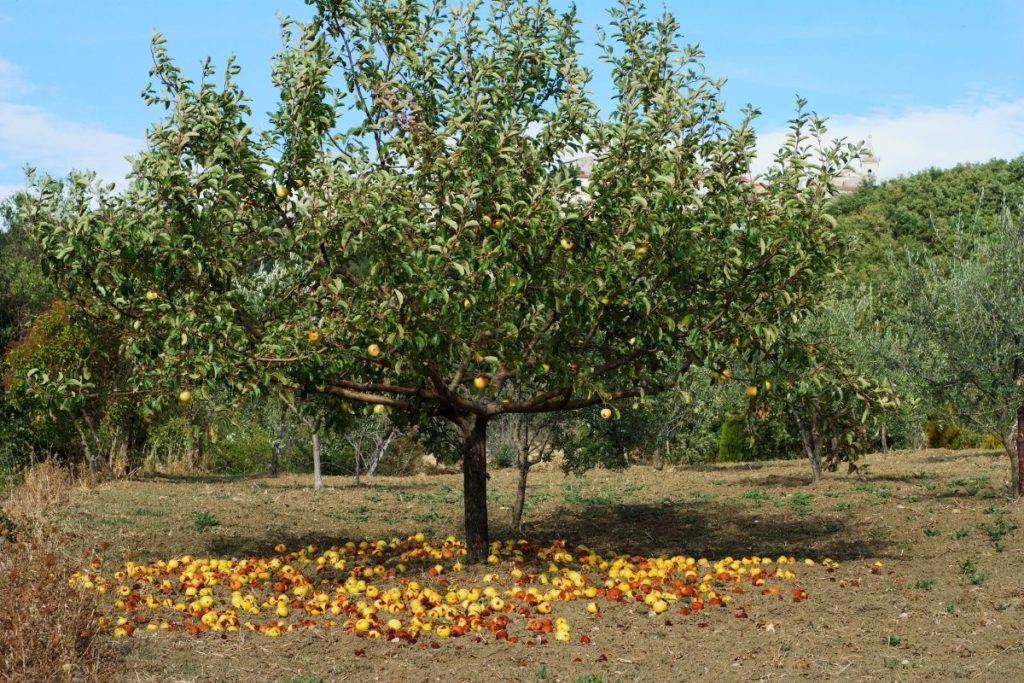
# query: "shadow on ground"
[[712, 529]]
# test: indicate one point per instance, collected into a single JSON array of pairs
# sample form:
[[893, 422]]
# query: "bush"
[[733, 444], [949, 434]]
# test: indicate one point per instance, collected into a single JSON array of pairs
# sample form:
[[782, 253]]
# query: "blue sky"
[[934, 83]]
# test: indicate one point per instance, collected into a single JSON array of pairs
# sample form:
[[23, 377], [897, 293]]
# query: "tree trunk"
[[318, 480], [659, 462], [885, 439], [380, 452], [355, 462], [275, 448], [474, 487], [1017, 464], [520, 504], [812, 449]]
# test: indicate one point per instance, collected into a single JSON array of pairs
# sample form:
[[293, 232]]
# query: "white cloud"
[[34, 136], [11, 81], [918, 139]]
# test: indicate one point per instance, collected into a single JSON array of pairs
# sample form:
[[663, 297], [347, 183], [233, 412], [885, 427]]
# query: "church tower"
[[869, 162]]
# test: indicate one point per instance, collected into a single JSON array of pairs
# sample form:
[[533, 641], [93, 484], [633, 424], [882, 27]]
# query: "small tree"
[[962, 333], [433, 250]]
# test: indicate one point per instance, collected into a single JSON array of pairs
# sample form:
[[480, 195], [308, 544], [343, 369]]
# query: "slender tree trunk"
[[520, 504], [90, 459], [885, 439], [355, 463], [474, 486], [318, 480], [812, 448], [1017, 475], [278, 444], [380, 452]]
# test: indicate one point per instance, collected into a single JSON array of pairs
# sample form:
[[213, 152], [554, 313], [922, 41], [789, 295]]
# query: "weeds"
[[755, 495], [800, 503], [48, 629], [203, 520]]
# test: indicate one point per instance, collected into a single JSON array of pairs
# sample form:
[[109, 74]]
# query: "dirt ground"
[[945, 603]]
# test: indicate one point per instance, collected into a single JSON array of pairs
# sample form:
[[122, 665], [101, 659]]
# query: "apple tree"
[[414, 202]]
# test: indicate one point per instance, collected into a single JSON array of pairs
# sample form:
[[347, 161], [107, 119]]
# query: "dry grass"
[[48, 630]]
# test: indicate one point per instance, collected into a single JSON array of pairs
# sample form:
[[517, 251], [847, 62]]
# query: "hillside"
[[921, 213]]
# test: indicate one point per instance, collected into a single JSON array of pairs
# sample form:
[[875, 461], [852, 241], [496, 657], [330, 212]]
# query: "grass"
[[925, 583]]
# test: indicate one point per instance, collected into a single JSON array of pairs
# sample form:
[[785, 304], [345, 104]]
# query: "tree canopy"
[[411, 232]]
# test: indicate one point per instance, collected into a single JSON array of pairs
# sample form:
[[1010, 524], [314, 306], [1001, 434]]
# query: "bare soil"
[[947, 602]]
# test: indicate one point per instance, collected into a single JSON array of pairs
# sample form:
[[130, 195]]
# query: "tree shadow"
[[289, 482], [712, 529]]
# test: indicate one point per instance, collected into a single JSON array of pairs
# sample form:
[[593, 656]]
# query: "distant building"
[[866, 170], [582, 166]]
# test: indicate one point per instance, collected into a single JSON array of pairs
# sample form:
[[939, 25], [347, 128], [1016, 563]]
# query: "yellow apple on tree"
[[373, 350], [751, 391], [566, 243], [313, 335], [185, 396], [480, 382], [281, 191], [379, 409], [152, 296], [606, 413]]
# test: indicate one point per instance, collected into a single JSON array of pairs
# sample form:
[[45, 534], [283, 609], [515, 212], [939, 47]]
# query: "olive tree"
[[962, 332], [435, 252]]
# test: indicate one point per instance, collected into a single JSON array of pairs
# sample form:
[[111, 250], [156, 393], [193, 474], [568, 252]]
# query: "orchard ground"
[[928, 585]]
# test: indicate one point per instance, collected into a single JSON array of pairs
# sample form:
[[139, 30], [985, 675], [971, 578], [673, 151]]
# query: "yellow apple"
[[566, 243], [152, 296], [481, 382], [641, 250], [373, 350], [313, 335], [281, 191], [751, 391], [185, 396], [606, 413], [379, 409], [498, 224]]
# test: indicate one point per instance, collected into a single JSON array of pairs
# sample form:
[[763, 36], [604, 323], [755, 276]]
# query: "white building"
[[864, 170]]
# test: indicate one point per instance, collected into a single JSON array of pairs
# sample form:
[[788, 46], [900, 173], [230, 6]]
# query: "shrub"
[[733, 445]]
